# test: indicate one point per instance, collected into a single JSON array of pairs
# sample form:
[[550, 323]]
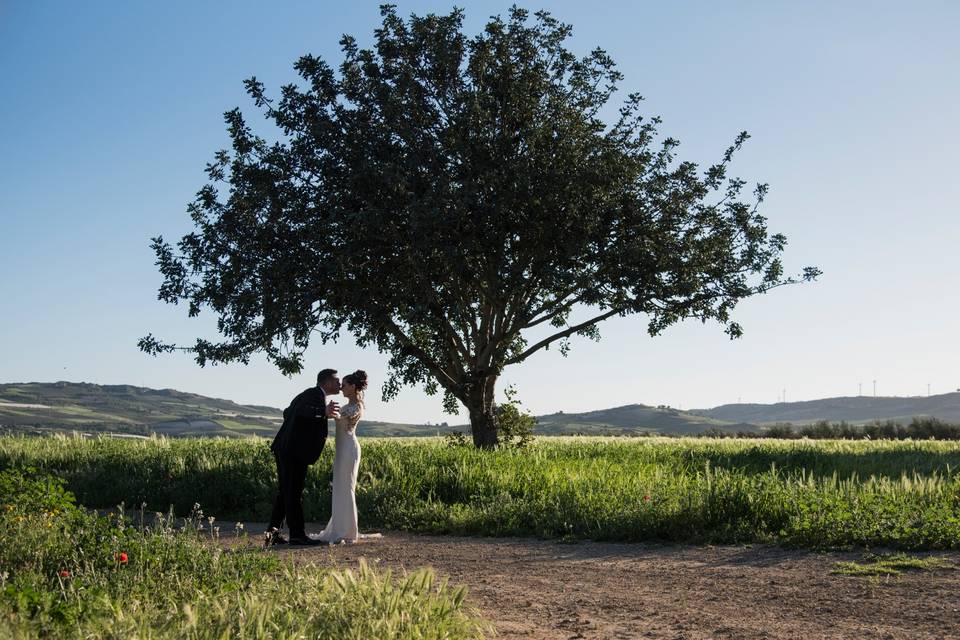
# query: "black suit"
[[298, 445]]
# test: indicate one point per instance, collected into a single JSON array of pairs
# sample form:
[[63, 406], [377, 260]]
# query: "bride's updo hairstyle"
[[358, 379]]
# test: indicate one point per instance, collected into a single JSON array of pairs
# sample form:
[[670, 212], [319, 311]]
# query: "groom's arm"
[[314, 404]]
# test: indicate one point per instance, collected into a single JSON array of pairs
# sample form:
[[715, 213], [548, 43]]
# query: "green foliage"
[[891, 564], [516, 426], [441, 196], [456, 439], [818, 494], [918, 429], [25, 491], [66, 573]]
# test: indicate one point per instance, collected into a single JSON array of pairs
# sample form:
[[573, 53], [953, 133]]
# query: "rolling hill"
[[634, 419], [855, 409], [136, 411], [127, 409], [124, 409]]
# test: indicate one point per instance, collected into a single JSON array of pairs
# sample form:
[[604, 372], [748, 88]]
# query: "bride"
[[346, 460]]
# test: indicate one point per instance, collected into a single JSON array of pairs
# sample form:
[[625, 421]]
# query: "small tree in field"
[[441, 196]]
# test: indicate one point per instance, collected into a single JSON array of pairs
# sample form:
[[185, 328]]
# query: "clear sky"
[[110, 111]]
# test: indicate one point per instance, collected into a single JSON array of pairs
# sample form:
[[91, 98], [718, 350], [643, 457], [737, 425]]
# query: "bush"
[[515, 426]]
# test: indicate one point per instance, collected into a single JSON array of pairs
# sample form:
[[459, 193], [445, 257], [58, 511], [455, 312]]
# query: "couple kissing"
[[299, 443]]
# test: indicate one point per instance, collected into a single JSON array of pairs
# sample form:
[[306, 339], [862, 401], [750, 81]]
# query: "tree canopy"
[[439, 196]]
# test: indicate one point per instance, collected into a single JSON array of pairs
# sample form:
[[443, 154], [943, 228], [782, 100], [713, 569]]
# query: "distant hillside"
[[634, 419], [856, 409], [127, 409], [69, 406]]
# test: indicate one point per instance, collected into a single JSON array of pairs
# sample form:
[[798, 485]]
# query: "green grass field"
[[817, 494]]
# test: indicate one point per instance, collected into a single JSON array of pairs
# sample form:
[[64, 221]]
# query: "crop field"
[[812, 494]]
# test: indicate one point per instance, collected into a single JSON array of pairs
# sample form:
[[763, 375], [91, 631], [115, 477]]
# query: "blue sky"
[[110, 111]]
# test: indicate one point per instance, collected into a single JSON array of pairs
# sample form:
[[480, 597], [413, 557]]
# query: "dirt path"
[[544, 589]]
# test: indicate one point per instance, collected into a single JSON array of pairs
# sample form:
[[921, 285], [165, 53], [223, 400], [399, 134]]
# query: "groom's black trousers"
[[289, 501]]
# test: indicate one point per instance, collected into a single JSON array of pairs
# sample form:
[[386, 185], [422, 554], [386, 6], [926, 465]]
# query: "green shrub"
[[516, 425]]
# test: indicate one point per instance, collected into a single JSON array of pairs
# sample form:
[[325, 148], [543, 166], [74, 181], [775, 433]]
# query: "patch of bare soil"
[[547, 589]]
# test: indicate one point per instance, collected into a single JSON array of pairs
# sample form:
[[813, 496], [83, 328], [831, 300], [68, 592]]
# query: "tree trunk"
[[483, 414]]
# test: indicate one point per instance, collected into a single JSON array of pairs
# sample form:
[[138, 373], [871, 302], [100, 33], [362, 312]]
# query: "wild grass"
[[67, 573], [816, 494], [891, 564]]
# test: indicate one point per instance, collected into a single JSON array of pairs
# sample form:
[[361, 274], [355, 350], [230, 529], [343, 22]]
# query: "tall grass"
[[67, 573], [808, 493]]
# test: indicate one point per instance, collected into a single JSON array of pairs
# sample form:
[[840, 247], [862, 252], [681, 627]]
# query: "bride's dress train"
[[342, 526]]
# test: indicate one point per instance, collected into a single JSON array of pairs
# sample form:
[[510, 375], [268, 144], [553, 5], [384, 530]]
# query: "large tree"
[[442, 197]]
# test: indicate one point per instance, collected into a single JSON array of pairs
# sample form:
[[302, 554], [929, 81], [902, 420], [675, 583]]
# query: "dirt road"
[[546, 589]]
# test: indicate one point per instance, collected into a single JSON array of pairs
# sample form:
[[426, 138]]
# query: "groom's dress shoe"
[[305, 542]]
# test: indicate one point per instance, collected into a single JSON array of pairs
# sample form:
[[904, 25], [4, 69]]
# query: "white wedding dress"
[[346, 460]]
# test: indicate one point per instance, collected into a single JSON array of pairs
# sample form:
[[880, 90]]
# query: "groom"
[[298, 445]]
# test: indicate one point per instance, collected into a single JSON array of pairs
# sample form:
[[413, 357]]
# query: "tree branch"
[[456, 342], [563, 334], [555, 301], [553, 314], [442, 376]]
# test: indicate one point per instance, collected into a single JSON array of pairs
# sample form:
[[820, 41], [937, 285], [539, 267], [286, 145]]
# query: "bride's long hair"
[[359, 380]]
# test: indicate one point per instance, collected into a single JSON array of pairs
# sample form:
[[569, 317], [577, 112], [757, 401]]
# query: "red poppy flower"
[[646, 498], [122, 557], [64, 573]]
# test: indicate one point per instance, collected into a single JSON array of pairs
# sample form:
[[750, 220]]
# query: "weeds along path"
[[546, 589]]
